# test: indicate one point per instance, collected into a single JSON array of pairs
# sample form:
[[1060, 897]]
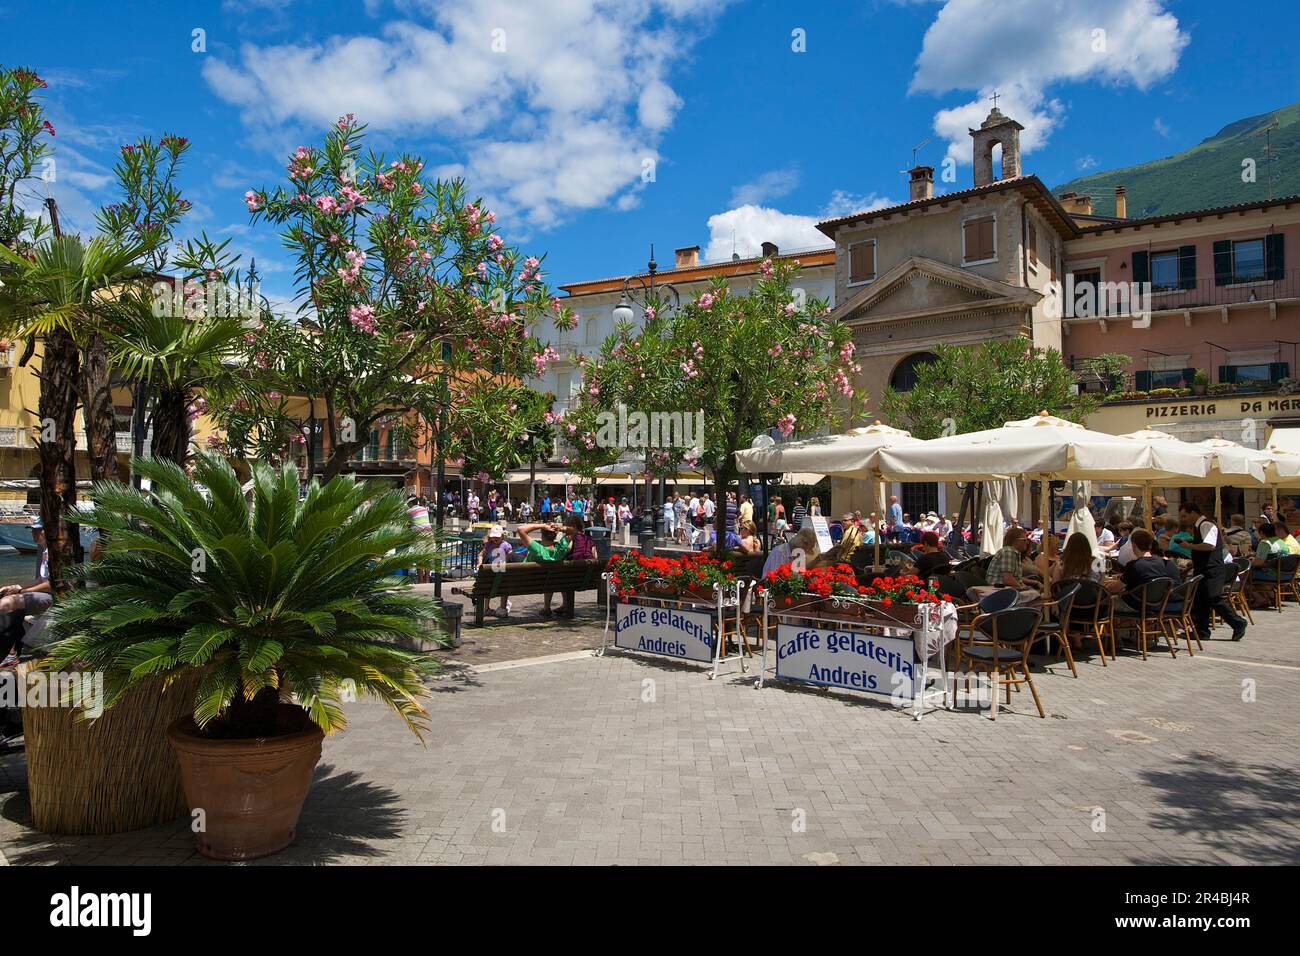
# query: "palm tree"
[[175, 356], [55, 293]]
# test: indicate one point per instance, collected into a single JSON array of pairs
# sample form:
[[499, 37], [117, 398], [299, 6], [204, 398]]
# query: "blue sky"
[[554, 109]]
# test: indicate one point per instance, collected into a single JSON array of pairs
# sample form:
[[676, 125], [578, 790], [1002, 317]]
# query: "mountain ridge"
[[1206, 175]]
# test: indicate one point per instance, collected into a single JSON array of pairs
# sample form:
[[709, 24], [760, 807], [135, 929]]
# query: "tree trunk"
[[139, 424], [101, 422], [722, 479], [57, 408], [338, 457], [171, 426]]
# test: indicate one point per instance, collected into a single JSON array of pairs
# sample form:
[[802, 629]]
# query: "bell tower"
[[998, 128]]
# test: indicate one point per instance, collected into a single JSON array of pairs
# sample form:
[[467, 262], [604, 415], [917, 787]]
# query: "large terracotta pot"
[[251, 791]]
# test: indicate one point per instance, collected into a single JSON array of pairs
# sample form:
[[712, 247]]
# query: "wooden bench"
[[530, 577]]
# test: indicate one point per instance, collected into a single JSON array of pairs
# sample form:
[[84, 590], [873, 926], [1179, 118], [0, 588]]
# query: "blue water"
[[17, 568]]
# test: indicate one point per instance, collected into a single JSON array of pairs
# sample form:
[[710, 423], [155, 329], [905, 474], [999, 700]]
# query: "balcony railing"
[[1116, 299], [398, 451]]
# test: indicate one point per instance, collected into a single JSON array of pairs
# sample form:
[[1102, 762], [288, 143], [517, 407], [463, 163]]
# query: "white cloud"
[[772, 184], [1160, 127], [1022, 47], [745, 228], [549, 108], [1086, 162]]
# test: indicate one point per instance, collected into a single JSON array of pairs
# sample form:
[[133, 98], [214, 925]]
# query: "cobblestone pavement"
[[526, 633], [625, 759]]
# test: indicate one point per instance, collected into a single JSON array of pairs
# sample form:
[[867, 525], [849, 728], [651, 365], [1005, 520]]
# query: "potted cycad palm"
[[287, 608]]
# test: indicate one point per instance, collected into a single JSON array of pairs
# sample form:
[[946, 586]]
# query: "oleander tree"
[[771, 359], [973, 387], [25, 135], [409, 302]]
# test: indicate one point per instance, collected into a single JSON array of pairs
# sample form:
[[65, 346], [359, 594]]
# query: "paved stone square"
[[628, 759]]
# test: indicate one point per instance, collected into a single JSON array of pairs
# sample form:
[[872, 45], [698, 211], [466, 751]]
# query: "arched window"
[[904, 377]]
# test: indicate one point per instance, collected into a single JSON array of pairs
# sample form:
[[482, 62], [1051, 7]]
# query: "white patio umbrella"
[[1082, 520], [993, 526], [1042, 447], [1232, 464], [851, 455]]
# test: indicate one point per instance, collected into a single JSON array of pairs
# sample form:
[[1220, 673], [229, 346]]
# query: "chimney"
[[1121, 202], [921, 184], [687, 257], [1076, 204], [769, 250]]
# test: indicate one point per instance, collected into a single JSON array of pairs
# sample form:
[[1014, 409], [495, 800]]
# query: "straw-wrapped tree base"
[[112, 774]]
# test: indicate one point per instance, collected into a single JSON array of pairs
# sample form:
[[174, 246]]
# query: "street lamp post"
[[641, 290]]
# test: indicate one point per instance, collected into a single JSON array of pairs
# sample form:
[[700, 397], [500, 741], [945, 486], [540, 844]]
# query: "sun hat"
[[496, 531]]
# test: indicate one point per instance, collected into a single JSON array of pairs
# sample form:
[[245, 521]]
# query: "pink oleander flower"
[[363, 317], [650, 312], [327, 204], [705, 301], [253, 201], [786, 425]]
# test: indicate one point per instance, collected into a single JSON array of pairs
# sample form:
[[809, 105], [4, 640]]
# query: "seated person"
[[805, 541], [1271, 547], [747, 539], [1007, 569], [17, 601], [1174, 537], [932, 559], [1146, 566], [581, 548], [1237, 537], [548, 548], [496, 552], [1079, 562]]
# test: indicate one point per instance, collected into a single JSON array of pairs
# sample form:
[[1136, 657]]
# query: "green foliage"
[[750, 363], [23, 145], [60, 283], [984, 386], [152, 204], [296, 596], [410, 303]]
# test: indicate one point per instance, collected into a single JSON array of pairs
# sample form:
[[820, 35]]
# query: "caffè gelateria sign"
[[687, 635], [1234, 407]]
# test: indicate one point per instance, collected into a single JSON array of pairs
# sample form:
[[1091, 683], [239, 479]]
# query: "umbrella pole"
[[1275, 499], [880, 503], [1218, 506], [1146, 503]]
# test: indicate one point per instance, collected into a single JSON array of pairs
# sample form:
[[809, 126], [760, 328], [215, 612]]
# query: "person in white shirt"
[[1105, 538], [624, 512], [1036, 535], [709, 508]]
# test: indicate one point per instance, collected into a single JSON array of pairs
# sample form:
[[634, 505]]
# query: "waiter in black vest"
[[1207, 561]]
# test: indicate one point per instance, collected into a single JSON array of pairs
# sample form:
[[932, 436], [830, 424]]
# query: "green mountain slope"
[[1208, 174]]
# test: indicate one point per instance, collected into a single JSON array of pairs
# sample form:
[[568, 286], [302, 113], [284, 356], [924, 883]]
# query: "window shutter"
[[986, 237], [1228, 374], [1278, 371], [1222, 262], [1142, 381], [1187, 267], [1274, 259], [861, 261], [1141, 267]]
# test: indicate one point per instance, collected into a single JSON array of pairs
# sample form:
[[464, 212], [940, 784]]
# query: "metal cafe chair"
[[1278, 574], [1092, 614], [1237, 591], [1177, 615], [1063, 595], [1141, 610], [1004, 653]]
